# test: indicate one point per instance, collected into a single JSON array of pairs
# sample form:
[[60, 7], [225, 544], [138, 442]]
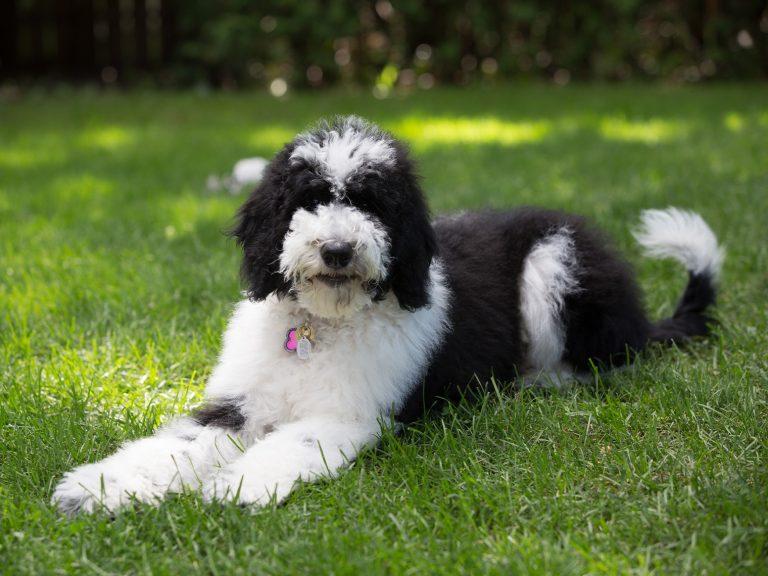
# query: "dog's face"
[[337, 222]]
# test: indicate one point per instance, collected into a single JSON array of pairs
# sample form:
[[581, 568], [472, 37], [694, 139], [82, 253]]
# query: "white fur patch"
[[362, 366], [303, 420], [301, 260], [302, 451], [179, 456], [548, 276], [682, 235], [340, 152]]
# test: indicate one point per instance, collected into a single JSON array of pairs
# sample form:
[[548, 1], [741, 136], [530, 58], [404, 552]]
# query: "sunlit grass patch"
[[734, 121], [651, 131], [107, 138], [20, 158], [26, 151], [424, 132]]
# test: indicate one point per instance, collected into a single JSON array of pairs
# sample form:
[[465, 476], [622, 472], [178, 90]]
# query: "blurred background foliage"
[[384, 44]]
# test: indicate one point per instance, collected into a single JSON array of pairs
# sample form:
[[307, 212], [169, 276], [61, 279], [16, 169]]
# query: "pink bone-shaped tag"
[[291, 341]]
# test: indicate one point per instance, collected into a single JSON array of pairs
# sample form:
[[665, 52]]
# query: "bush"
[[309, 43]]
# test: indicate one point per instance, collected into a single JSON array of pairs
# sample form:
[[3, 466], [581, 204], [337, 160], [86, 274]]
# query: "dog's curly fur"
[[406, 313]]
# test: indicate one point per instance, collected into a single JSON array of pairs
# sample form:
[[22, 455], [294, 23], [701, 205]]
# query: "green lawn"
[[116, 281]]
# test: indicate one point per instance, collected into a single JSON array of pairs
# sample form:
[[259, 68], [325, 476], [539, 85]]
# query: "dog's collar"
[[299, 340]]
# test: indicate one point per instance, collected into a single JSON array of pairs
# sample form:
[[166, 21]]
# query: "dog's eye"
[[314, 194], [371, 197]]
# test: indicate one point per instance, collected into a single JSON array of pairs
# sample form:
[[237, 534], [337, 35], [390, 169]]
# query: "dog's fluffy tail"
[[684, 236]]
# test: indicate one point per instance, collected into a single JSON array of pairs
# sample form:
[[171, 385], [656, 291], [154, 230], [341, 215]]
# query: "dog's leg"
[[179, 456], [303, 450]]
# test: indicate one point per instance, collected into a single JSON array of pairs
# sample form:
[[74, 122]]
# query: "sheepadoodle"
[[361, 312]]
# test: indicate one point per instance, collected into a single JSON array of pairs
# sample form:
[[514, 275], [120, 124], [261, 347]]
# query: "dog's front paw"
[[93, 487], [235, 484]]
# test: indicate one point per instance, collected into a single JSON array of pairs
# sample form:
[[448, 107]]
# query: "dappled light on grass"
[[108, 138], [20, 158], [427, 132], [28, 152], [734, 121], [651, 131]]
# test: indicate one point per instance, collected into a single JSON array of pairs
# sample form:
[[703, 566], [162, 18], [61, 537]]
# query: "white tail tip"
[[682, 235]]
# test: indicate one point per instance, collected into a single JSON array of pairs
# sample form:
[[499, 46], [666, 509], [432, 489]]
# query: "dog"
[[362, 313]]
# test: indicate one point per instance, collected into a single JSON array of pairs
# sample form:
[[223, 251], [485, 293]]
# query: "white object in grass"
[[249, 170]]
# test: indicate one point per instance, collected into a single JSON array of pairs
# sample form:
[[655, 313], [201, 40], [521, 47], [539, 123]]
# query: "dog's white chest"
[[357, 368]]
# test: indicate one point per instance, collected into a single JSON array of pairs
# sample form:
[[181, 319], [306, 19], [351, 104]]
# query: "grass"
[[117, 281]]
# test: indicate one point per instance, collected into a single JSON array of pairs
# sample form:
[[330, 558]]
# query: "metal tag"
[[304, 349]]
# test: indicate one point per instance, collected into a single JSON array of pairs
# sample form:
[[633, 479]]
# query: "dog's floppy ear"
[[259, 231], [413, 245]]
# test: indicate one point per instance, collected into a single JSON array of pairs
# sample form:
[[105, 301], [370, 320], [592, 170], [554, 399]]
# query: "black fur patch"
[[223, 414], [484, 254], [690, 318], [605, 323]]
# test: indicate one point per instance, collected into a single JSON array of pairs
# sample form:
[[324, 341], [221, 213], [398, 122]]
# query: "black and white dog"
[[361, 311]]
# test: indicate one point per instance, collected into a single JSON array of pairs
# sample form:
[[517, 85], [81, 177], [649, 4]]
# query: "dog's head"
[[337, 222]]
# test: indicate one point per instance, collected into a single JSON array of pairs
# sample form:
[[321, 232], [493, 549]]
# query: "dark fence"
[[85, 39]]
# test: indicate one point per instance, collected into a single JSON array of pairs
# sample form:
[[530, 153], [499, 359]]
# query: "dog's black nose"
[[336, 254]]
